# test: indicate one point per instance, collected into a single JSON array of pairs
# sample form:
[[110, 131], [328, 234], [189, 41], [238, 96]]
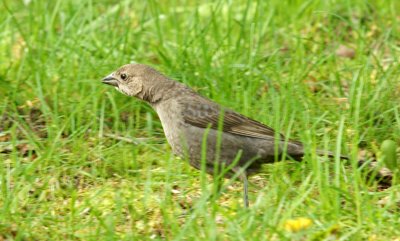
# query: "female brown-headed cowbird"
[[197, 127]]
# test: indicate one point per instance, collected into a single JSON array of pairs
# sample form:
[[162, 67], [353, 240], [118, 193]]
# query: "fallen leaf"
[[390, 201], [345, 52], [18, 48], [4, 137]]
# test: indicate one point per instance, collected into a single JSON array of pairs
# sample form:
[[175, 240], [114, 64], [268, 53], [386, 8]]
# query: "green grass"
[[67, 173]]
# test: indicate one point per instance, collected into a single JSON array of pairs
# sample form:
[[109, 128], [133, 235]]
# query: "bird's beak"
[[110, 80]]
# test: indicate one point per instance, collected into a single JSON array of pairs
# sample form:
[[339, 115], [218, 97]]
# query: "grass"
[[80, 161]]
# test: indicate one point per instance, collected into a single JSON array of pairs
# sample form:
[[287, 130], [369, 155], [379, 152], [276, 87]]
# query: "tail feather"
[[382, 174], [330, 154]]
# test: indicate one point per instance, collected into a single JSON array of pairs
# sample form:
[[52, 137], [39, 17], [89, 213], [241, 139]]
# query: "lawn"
[[80, 161]]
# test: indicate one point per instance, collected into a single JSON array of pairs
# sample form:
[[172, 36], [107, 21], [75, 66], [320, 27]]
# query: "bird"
[[201, 130]]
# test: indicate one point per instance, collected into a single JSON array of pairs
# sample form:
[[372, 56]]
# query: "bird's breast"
[[173, 126]]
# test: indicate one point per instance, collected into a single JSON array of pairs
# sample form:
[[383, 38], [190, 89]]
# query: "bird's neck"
[[163, 91]]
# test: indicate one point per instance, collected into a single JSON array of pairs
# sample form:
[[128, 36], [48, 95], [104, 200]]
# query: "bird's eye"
[[123, 76]]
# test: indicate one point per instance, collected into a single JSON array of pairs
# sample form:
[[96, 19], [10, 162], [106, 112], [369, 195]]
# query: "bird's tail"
[[382, 174], [330, 154]]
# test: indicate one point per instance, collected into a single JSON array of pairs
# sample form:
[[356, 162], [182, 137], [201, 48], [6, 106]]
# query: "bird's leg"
[[243, 176], [245, 189]]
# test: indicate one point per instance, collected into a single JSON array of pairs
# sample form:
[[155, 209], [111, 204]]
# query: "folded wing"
[[203, 113]]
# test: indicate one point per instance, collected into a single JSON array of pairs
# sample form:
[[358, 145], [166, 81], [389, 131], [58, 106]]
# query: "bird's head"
[[137, 80]]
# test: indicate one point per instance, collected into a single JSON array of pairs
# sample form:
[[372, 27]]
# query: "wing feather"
[[204, 113]]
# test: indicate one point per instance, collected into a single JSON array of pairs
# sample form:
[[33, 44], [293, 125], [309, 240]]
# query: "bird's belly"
[[213, 147]]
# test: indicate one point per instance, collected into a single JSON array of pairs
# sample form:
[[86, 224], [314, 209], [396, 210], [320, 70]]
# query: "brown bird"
[[234, 143]]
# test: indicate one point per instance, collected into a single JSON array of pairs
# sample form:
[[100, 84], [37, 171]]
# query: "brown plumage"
[[187, 118]]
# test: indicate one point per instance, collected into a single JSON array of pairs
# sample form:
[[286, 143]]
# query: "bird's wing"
[[204, 113]]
